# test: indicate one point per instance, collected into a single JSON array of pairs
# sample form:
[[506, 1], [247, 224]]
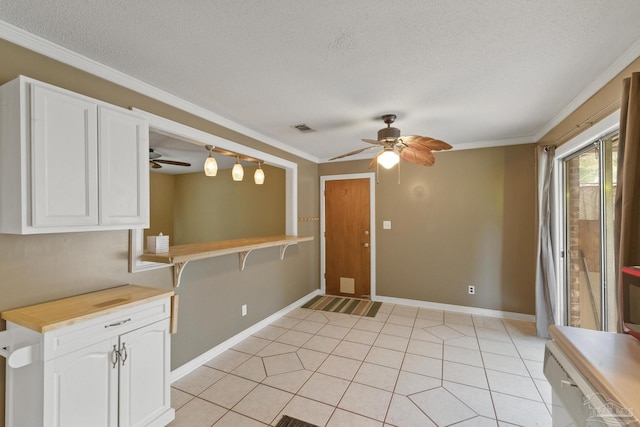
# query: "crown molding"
[[59, 53], [628, 56]]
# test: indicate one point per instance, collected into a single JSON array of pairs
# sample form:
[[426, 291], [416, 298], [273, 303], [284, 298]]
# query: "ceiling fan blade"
[[352, 153], [373, 141], [154, 164], [173, 162], [419, 157], [424, 141]]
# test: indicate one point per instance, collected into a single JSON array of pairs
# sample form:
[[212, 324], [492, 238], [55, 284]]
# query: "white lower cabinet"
[[117, 382], [83, 387], [108, 371]]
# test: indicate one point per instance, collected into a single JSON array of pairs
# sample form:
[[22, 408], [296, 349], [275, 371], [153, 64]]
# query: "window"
[[585, 178]]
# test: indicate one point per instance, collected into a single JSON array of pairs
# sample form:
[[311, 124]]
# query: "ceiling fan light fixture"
[[258, 177], [237, 173], [210, 165], [388, 159]]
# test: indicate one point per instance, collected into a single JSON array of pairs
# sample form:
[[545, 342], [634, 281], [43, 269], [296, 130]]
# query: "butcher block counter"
[[610, 362], [68, 311]]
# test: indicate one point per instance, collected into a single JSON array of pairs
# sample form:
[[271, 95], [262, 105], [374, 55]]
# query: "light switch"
[[386, 225]]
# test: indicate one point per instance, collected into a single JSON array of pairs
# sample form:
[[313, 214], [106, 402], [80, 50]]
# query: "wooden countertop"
[[609, 361], [196, 251], [68, 311]]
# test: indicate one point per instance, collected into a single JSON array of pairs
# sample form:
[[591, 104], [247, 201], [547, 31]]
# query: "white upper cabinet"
[[69, 162], [124, 168], [64, 159]]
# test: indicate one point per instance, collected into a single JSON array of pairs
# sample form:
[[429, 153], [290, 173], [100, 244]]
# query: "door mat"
[[287, 421], [358, 307]]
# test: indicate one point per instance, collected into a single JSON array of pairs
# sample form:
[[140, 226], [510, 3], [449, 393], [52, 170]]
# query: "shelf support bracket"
[[178, 267], [283, 249], [243, 258]]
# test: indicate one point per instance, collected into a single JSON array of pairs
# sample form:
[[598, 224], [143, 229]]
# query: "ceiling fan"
[[155, 160], [414, 149]]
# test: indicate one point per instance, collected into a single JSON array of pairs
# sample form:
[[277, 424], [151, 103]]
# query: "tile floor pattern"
[[405, 367]]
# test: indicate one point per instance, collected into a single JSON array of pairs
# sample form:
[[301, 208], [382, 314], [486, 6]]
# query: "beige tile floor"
[[405, 367]]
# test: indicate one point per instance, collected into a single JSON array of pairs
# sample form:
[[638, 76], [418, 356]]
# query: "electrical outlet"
[[244, 309], [472, 290]]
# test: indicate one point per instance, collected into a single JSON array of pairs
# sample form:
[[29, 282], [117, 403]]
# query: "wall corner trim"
[[190, 366]]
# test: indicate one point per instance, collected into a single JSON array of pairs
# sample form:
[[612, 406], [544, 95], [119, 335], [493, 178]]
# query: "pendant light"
[[210, 165], [258, 177], [237, 173], [388, 158]]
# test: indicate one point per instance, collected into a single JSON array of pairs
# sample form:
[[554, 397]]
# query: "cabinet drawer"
[[58, 343]]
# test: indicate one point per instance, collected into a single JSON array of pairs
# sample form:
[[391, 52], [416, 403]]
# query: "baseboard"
[[208, 355], [457, 308]]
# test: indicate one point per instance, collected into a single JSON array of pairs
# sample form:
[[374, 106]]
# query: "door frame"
[[606, 126], [372, 226]]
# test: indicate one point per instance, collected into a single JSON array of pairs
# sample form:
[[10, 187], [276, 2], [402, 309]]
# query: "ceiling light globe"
[[210, 166], [388, 159], [258, 177], [237, 173]]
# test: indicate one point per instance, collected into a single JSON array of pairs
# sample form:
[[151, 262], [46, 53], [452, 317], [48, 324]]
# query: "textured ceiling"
[[472, 73]]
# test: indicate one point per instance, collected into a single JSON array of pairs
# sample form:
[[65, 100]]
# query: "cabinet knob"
[[366, 245]]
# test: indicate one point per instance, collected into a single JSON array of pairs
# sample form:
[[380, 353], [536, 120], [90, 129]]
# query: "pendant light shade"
[[237, 173], [388, 159], [258, 177], [210, 165]]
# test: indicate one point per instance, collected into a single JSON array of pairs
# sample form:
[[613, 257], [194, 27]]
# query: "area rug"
[[287, 421], [358, 307]]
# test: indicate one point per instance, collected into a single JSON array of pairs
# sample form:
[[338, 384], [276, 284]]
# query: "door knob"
[[366, 245]]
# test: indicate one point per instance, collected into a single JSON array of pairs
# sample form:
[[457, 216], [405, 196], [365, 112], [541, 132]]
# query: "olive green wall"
[[217, 208], [468, 220], [194, 208], [161, 191], [45, 267]]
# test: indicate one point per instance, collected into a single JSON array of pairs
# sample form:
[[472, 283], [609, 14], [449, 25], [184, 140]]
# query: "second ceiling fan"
[[414, 148], [155, 160]]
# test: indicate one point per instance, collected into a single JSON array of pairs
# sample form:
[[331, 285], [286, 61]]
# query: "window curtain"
[[627, 199], [545, 270]]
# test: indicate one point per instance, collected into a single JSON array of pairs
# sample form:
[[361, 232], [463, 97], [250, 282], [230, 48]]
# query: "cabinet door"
[[124, 168], [83, 390], [144, 374], [63, 159]]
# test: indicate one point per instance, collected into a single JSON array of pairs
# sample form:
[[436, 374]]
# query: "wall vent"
[[303, 128]]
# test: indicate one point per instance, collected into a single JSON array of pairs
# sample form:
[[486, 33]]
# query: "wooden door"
[[347, 238]]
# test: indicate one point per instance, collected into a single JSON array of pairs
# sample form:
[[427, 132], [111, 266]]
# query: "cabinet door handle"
[[123, 353], [567, 384], [118, 323], [115, 355]]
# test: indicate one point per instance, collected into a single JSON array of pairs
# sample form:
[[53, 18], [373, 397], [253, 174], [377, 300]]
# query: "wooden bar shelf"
[[180, 255]]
